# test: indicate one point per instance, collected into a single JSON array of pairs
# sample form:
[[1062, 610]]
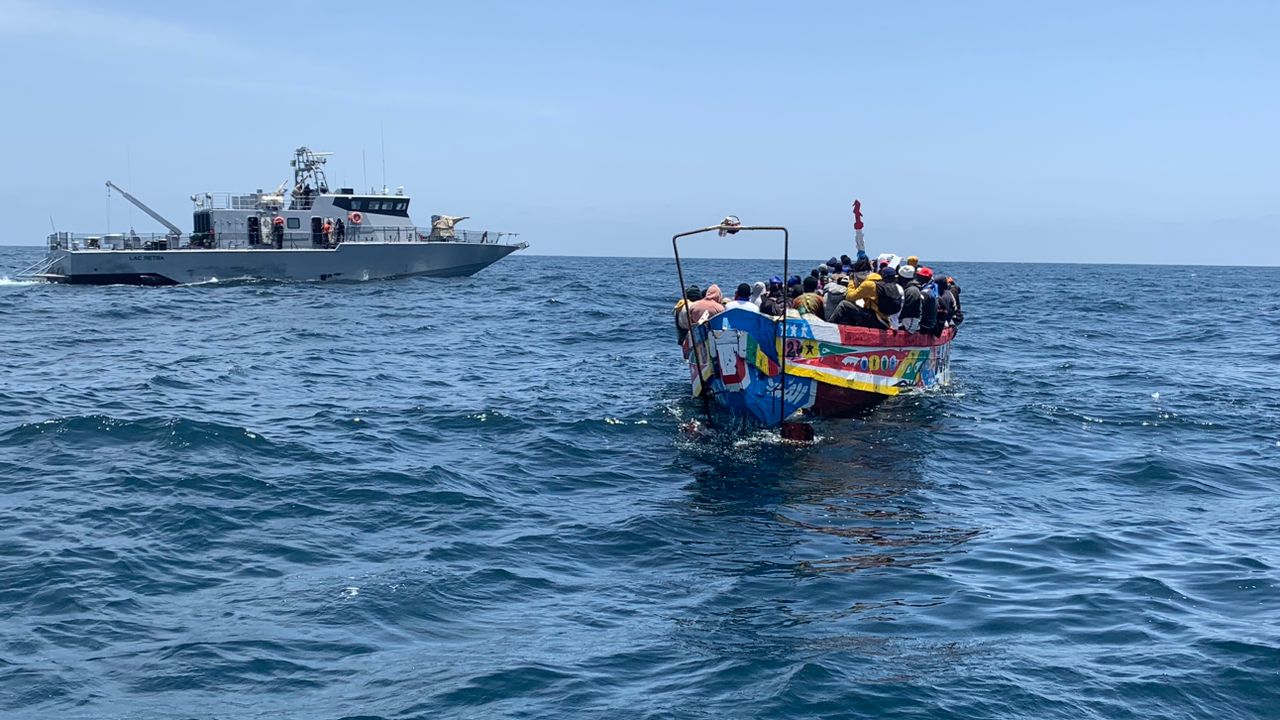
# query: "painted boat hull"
[[347, 262], [735, 361]]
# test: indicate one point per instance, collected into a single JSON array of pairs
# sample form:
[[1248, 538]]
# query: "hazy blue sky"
[[1095, 131]]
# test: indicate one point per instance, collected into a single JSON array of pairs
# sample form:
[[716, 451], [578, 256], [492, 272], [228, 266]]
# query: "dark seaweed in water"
[[471, 498]]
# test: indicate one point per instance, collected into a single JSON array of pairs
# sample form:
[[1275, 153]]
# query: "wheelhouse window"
[[293, 223]]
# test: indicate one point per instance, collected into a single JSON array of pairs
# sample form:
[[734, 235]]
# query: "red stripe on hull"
[[868, 337]]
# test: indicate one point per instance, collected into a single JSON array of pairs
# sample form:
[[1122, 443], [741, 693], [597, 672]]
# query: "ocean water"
[[473, 498]]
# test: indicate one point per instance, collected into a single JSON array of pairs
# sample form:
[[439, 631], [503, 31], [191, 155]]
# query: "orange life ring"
[[355, 217], [278, 221]]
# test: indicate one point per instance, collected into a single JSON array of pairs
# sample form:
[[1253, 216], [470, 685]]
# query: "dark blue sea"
[[472, 498]]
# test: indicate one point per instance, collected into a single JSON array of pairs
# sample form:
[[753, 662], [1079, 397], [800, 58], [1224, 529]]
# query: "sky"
[[972, 131]]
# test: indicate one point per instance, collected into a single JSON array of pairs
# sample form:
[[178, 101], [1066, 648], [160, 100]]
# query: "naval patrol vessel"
[[315, 234]]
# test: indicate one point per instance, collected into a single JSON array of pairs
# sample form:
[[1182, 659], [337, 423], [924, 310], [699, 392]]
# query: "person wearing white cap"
[[909, 318]]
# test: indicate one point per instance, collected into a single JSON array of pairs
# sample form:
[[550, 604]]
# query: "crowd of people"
[[888, 293]]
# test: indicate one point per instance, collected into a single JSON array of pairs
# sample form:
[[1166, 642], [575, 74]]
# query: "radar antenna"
[[308, 177]]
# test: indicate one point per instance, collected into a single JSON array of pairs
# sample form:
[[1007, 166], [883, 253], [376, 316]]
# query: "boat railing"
[[237, 201], [290, 239]]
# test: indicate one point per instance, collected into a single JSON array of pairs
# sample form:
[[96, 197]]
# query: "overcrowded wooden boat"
[[775, 371]]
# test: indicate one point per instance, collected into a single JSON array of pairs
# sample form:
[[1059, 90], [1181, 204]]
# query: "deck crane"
[[174, 230]]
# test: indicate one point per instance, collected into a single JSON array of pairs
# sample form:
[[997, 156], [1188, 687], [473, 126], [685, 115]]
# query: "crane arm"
[[143, 207]]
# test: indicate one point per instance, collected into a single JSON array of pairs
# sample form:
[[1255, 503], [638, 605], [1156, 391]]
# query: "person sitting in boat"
[[859, 307], [691, 294], [860, 270], [809, 302], [946, 304], [833, 294], [909, 318], [954, 289], [928, 302], [773, 302], [742, 299], [710, 304], [794, 289], [757, 293], [889, 297]]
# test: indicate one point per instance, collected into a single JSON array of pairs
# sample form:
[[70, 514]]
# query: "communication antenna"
[[364, 166], [128, 164], [382, 132]]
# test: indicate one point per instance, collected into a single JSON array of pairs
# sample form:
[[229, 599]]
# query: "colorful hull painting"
[[831, 370]]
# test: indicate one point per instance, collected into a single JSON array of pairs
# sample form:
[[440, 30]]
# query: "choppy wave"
[[490, 497]]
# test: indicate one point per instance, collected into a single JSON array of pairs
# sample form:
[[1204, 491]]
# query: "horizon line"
[[758, 259]]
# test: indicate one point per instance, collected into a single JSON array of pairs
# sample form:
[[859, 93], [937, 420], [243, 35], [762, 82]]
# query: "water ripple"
[[426, 498]]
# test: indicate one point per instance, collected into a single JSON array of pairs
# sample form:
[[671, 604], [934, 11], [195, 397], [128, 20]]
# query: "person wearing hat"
[[833, 294], [860, 271], [928, 302], [757, 293], [773, 301], [859, 306], [691, 294], [909, 318], [810, 302], [794, 288], [709, 305], [954, 289], [889, 296], [946, 303], [913, 261]]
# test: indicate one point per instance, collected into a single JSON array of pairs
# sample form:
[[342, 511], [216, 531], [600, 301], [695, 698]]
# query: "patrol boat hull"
[[346, 262], [736, 363]]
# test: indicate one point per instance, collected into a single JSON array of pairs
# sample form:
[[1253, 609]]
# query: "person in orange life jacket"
[[742, 299], [709, 305], [810, 302], [691, 294]]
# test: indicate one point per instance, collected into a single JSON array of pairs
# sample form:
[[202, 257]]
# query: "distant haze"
[[1090, 132]]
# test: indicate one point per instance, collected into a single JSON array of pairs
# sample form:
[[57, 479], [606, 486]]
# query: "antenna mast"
[[308, 176]]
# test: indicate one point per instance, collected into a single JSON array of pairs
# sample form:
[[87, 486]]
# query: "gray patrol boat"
[[315, 234]]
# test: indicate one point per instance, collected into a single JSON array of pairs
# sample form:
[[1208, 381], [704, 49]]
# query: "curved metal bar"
[[782, 345]]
